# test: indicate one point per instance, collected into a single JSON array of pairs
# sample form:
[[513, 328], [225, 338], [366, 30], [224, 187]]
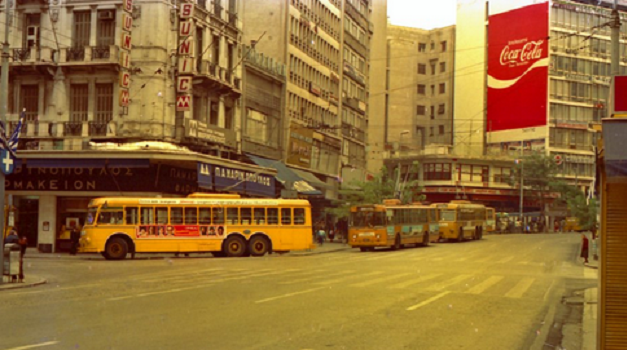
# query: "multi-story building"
[[539, 95], [123, 97], [325, 46], [421, 98], [377, 100]]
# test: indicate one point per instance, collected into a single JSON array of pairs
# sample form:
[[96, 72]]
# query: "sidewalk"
[[29, 281]]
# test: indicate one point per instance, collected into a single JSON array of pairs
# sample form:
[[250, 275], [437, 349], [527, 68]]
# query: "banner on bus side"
[[181, 231]]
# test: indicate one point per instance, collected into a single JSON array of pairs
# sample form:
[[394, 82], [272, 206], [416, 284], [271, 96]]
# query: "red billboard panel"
[[518, 60], [620, 91]]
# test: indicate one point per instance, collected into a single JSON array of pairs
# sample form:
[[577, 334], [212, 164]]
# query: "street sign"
[[558, 159], [8, 163]]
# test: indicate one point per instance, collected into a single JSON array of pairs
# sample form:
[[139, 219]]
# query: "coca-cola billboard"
[[518, 59]]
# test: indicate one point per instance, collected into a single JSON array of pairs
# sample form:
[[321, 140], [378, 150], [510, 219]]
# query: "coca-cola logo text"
[[514, 55]]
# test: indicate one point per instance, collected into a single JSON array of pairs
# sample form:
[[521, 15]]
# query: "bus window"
[[447, 215], [273, 216], [147, 215], [232, 216], [162, 215], [246, 215], [131, 216], [432, 215], [260, 216], [204, 217], [218, 216], [176, 216], [191, 216], [299, 216], [110, 217], [286, 216]]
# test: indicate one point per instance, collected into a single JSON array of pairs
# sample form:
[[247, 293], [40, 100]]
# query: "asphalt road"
[[488, 294]]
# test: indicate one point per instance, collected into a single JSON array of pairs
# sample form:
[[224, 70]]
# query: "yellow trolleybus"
[[392, 225], [461, 220], [221, 224]]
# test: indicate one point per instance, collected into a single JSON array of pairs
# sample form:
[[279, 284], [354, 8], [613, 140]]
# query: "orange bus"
[[392, 225], [225, 225], [461, 220]]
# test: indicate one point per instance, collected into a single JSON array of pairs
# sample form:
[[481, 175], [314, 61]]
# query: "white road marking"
[[288, 295], [416, 280], [378, 280], [520, 288], [34, 345], [428, 301], [481, 287], [445, 284], [342, 279]]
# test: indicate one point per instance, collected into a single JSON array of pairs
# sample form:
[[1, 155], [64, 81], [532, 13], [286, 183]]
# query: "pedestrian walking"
[[74, 238], [321, 235], [584, 248]]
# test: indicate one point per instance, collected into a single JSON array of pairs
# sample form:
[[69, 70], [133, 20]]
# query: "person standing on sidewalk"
[[74, 238], [584, 248]]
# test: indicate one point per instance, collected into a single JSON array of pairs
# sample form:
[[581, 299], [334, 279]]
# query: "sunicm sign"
[[518, 60]]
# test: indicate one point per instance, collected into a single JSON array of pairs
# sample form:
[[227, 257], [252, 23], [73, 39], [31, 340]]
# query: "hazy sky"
[[425, 14]]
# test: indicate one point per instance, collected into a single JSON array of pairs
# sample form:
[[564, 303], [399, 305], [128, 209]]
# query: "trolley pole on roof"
[[4, 100]]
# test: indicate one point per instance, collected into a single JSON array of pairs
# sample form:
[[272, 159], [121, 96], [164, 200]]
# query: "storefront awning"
[[312, 179], [86, 163], [286, 175]]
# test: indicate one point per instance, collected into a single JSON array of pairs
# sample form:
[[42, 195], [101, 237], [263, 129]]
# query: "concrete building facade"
[[421, 86], [120, 98]]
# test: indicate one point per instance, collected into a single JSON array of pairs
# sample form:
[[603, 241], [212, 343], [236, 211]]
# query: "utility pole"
[[615, 26], [4, 101]]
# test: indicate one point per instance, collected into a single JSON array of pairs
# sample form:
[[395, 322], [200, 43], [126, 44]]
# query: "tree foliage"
[[383, 186]]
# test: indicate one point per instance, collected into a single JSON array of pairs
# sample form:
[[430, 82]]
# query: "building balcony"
[[35, 129], [219, 77], [355, 104], [93, 55], [33, 54], [353, 132]]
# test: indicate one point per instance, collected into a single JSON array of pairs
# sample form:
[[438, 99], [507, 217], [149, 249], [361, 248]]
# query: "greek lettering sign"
[[200, 130], [243, 181]]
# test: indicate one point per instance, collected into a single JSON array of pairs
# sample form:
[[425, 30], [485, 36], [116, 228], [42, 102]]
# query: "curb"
[[11, 286], [318, 253]]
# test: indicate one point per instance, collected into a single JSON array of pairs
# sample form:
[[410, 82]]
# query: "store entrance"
[[70, 212], [27, 217]]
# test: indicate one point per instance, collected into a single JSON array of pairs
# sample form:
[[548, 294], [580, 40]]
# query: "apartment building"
[[421, 65], [325, 47], [124, 97]]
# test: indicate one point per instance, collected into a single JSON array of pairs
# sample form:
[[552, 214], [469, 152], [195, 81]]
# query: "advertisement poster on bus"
[[181, 231], [518, 61]]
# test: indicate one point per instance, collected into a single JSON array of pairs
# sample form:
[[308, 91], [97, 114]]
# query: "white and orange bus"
[[392, 225], [221, 224]]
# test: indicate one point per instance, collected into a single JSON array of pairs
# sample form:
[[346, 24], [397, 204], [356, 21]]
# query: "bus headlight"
[[83, 233], [378, 236], [354, 236]]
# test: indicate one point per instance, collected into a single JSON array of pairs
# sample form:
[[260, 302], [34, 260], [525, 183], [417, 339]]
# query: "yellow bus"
[[490, 219], [225, 225], [392, 225], [461, 220]]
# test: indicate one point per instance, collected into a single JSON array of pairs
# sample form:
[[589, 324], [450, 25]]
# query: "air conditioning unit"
[[32, 36], [108, 15]]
